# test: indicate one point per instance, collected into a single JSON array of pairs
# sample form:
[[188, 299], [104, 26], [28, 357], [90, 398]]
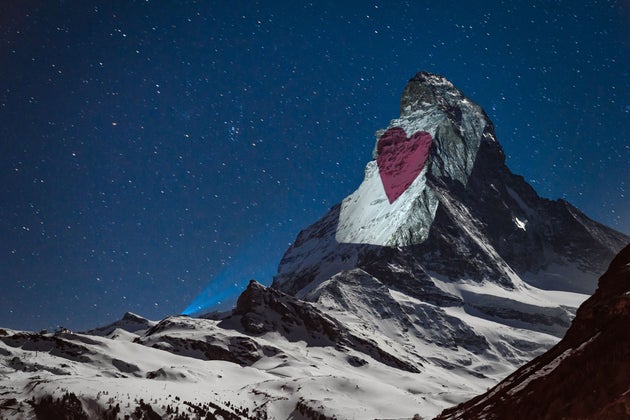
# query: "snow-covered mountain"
[[438, 277], [585, 376], [443, 246], [459, 233], [464, 216], [273, 357]]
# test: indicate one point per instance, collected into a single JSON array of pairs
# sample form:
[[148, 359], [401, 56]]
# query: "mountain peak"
[[432, 105], [438, 195], [443, 246], [130, 316], [437, 136], [442, 273], [130, 322], [428, 88]]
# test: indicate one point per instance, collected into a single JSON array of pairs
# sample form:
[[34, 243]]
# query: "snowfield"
[[167, 365]]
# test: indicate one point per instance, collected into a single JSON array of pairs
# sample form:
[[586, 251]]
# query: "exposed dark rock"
[[56, 346], [261, 310], [207, 345], [467, 218]]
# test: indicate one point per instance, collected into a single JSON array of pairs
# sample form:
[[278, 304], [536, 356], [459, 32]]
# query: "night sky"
[[150, 148]]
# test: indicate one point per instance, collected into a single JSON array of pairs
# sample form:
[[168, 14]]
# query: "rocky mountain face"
[[439, 276], [585, 376], [273, 356], [464, 216], [443, 249], [458, 230]]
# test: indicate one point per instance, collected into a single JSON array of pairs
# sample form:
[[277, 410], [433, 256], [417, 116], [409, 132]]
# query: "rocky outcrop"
[[261, 310], [130, 322], [585, 376], [438, 277], [356, 291], [202, 339]]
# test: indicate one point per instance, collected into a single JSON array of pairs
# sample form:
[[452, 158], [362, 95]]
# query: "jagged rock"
[[356, 291], [203, 339], [465, 216], [261, 310], [430, 283]]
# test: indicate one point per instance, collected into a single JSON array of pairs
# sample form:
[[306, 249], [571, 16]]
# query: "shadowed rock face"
[[465, 215], [261, 310], [585, 376], [467, 258], [465, 219]]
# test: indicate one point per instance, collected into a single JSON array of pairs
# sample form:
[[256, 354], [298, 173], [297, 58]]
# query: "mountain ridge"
[[506, 221]]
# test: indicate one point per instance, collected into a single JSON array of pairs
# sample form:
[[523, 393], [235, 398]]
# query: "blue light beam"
[[223, 290]]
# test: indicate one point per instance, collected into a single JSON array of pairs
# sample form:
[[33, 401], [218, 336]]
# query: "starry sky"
[[152, 148]]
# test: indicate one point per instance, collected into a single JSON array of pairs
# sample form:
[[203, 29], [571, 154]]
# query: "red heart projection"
[[400, 159]]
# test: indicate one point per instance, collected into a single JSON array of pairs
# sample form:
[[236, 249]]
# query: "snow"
[[469, 334], [320, 376], [520, 224], [563, 277], [124, 367], [118, 369], [367, 217]]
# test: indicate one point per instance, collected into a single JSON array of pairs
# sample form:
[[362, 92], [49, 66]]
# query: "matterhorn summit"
[[394, 206], [442, 245], [438, 195]]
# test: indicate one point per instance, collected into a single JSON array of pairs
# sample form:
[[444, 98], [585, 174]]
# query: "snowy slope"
[[587, 375], [361, 351], [104, 372], [274, 355]]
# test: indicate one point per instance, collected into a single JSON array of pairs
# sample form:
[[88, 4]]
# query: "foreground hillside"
[[585, 376]]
